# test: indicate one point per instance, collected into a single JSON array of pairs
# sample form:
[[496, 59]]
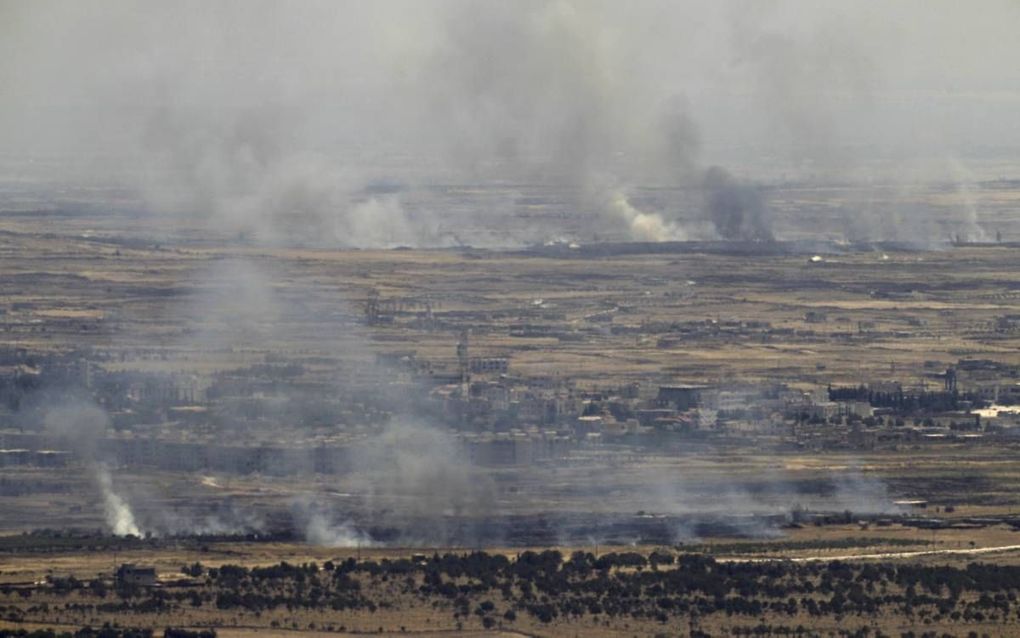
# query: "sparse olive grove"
[[494, 590]]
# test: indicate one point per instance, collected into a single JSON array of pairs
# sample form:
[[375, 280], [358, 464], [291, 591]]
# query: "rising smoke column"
[[82, 424], [323, 525], [737, 210], [970, 229], [118, 514], [645, 226], [554, 92], [421, 476]]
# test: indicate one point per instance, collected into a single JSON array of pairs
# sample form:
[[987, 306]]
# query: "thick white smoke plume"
[[321, 529], [118, 513], [646, 226], [82, 424]]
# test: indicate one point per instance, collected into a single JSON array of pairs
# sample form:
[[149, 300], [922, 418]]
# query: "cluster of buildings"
[[305, 414], [966, 402]]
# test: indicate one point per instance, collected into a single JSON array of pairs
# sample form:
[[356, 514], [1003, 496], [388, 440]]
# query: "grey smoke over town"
[[409, 469], [277, 121], [411, 476]]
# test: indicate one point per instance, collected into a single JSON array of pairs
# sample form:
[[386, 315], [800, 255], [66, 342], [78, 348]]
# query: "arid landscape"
[[394, 462], [543, 318]]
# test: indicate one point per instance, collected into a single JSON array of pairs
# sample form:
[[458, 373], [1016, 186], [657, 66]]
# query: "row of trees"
[[495, 589], [106, 631], [906, 402], [660, 585]]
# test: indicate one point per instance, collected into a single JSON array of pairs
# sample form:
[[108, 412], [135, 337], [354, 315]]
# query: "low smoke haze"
[[329, 121]]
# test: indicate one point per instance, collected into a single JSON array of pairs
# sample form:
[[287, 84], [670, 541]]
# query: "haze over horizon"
[[264, 116]]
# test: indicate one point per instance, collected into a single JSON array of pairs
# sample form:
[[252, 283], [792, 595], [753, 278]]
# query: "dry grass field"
[[154, 300], [941, 307]]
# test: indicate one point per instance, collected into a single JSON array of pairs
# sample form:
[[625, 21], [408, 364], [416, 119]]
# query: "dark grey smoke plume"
[[737, 210]]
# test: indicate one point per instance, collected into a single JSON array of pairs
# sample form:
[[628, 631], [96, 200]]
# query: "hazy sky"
[[86, 75], [255, 109]]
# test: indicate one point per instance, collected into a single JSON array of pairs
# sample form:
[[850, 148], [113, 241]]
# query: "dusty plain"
[[124, 285]]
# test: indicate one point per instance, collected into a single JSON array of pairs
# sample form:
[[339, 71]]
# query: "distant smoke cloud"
[[968, 205], [420, 473], [248, 175], [548, 89], [738, 211], [79, 422], [273, 126]]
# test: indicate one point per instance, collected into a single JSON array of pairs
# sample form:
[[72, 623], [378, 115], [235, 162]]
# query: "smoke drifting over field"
[[408, 481], [408, 469], [272, 120]]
